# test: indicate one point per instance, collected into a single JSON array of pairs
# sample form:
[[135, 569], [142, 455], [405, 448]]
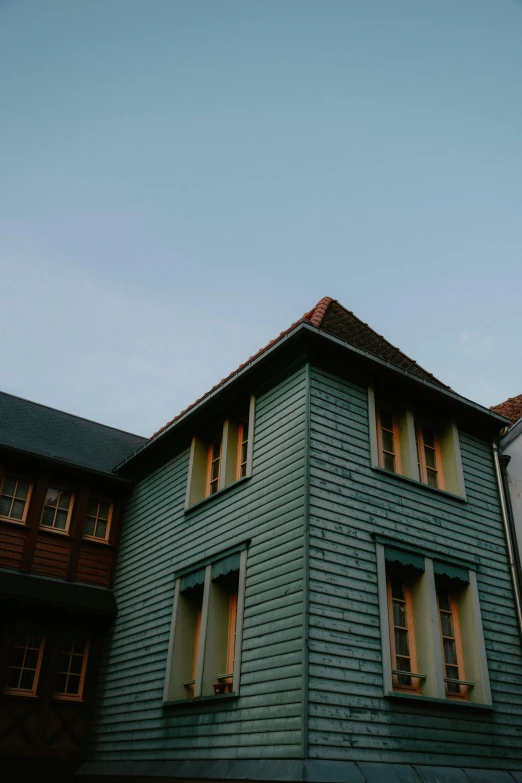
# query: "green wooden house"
[[314, 581]]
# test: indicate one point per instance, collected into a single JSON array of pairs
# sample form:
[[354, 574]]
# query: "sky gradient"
[[182, 179]]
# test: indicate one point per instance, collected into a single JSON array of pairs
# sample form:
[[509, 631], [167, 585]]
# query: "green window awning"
[[403, 558], [451, 571], [192, 580], [225, 566]]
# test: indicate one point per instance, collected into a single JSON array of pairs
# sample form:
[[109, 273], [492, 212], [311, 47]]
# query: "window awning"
[[451, 571], [225, 566], [403, 558], [192, 580]]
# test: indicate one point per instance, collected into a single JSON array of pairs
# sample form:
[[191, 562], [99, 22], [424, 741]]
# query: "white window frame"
[[428, 634], [174, 688]]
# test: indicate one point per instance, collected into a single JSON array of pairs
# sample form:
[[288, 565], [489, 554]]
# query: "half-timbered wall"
[[349, 718], [160, 538]]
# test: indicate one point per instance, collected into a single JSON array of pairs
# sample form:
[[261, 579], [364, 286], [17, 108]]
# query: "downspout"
[[509, 529]]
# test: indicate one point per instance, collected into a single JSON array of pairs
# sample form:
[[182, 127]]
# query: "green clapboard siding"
[[159, 539], [349, 718]]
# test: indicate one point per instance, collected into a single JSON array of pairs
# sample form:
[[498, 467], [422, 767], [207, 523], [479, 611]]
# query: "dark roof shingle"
[[47, 432]]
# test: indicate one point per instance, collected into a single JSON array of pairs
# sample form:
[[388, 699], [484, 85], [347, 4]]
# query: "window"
[[388, 440], [205, 645], [25, 662], [15, 494], [213, 467], [429, 457], [57, 510], [98, 519], [404, 443], [218, 461], [242, 449], [431, 628], [72, 664], [402, 636], [451, 645]]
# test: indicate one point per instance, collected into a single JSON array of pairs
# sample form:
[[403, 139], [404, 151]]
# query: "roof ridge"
[[72, 415], [316, 315]]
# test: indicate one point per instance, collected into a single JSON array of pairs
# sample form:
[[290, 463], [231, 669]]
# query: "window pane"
[[73, 686], [88, 527], [17, 656], [430, 458], [387, 419], [76, 664], [446, 624], [428, 436], [63, 662], [216, 448], [104, 509], [31, 659], [8, 487], [65, 500], [389, 462], [17, 511], [27, 679], [403, 664], [444, 601], [432, 478], [52, 497], [5, 506], [22, 490], [214, 472], [101, 529], [61, 520], [399, 614], [48, 517], [450, 651], [92, 507], [13, 677], [397, 589], [387, 441], [401, 642]]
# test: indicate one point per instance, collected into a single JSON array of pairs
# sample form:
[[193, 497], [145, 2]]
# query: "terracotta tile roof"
[[511, 408], [333, 318]]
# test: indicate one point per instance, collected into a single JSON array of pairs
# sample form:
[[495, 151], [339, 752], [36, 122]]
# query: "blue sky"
[[182, 179]]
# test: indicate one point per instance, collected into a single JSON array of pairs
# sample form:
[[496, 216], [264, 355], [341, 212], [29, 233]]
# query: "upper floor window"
[[71, 666], [15, 494], [406, 444], [388, 440], [214, 466], [425, 606], [25, 662], [218, 461], [98, 518], [429, 457], [57, 510], [205, 648]]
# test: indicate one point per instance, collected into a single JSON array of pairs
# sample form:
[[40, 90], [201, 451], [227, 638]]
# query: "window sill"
[[19, 522], [445, 702], [43, 529], [94, 540], [201, 699], [19, 694], [219, 493], [420, 484]]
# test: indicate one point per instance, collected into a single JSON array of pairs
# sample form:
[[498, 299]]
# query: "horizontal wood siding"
[[51, 555], [12, 542], [349, 718], [94, 564], [158, 539]]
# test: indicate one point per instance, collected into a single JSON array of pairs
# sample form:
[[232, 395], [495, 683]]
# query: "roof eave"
[[110, 475], [306, 327]]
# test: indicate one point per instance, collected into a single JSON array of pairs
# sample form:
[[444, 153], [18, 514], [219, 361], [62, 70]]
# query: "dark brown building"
[[60, 515]]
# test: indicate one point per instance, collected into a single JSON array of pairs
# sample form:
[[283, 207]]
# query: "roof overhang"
[[304, 330]]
